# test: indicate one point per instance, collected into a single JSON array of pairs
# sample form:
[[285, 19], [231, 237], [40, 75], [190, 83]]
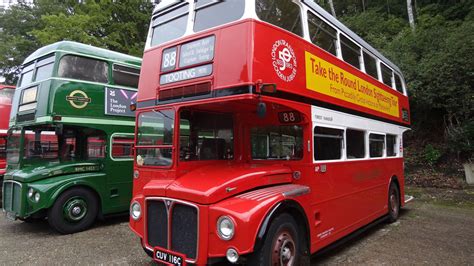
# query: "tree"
[[116, 25], [411, 18]]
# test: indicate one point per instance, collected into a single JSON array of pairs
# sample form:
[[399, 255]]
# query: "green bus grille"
[[11, 196]]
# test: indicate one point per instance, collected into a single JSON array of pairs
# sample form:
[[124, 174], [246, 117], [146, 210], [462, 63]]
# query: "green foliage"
[[431, 154], [436, 60], [119, 25]]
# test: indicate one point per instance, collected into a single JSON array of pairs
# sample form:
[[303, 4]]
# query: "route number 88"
[[169, 59], [289, 117]]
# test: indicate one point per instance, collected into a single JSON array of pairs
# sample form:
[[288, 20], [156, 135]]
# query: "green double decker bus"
[[70, 141]]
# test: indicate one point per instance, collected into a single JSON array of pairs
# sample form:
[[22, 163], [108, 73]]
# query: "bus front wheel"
[[75, 210], [393, 203], [282, 244]]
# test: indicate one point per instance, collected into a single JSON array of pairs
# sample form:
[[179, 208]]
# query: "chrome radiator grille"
[[11, 196]]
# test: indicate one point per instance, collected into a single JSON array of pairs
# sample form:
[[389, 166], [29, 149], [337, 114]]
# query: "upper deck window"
[[398, 83], [37, 70], [44, 68], [82, 68], [370, 65], [170, 24], [350, 51], [322, 34], [282, 13], [211, 13], [27, 75], [125, 76], [386, 75]]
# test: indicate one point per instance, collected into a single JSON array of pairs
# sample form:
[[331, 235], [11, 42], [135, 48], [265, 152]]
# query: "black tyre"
[[282, 244], [75, 210], [393, 203]]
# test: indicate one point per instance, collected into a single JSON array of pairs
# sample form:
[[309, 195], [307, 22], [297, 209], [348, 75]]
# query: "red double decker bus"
[[6, 96], [266, 130]]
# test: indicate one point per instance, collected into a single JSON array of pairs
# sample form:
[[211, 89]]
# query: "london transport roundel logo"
[[284, 60]]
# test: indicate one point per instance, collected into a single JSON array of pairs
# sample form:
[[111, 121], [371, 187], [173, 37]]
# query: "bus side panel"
[[291, 77]]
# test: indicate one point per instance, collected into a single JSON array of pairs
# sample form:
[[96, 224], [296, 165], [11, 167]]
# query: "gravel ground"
[[427, 233]]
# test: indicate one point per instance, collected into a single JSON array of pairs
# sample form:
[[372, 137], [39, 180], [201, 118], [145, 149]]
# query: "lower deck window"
[[376, 145], [205, 136], [391, 145], [328, 143], [355, 140], [122, 147], [277, 142]]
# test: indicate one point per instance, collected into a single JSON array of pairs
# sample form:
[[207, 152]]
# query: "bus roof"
[[75, 47], [336, 23], [323, 13]]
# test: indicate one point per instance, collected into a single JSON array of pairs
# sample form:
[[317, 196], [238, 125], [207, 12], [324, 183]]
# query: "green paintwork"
[[110, 179]]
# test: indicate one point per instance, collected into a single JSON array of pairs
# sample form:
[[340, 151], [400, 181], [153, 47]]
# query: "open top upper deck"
[[296, 45], [69, 81]]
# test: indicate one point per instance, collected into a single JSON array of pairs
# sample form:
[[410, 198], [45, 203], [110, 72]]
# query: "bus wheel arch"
[[74, 209], [294, 210]]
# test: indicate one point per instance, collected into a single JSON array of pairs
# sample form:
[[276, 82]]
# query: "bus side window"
[[370, 65], [391, 145], [398, 83], [328, 143], [355, 140], [83, 68], [386, 75], [122, 147], [125, 76], [350, 51], [322, 34], [95, 147], [214, 13], [376, 145], [284, 14]]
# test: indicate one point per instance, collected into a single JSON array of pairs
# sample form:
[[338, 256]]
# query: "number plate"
[[168, 257], [10, 216]]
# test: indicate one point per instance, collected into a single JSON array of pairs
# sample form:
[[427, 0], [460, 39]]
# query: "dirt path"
[[427, 233]]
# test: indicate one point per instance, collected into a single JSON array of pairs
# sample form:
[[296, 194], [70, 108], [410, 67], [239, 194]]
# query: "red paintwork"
[[5, 107], [348, 195]]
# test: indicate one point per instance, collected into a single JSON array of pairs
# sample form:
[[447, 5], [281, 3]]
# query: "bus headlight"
[[225, 228], [30, 193], [135, 211], [37, 197]]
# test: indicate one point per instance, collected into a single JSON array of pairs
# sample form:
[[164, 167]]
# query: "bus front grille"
[[11, 195], [173, 220]]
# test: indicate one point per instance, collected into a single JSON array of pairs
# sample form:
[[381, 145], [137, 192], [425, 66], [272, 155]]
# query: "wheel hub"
[[75, 209], [394, 203], [284, 250]]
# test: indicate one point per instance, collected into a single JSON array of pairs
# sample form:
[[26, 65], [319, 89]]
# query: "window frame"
[[360, 59], [343, 144], [112, 71], [171, 146], [366, 151], [306, 28], [107, 62], [384, 153], [396, 146], [111, 146]]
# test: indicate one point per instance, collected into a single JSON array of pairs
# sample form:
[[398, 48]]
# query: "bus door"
[[119, 176]]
